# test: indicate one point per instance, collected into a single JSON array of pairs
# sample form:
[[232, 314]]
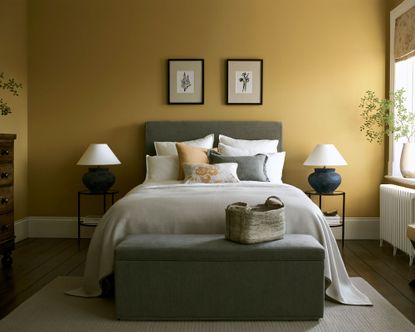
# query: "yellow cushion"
[[190, 155], [410, 232]]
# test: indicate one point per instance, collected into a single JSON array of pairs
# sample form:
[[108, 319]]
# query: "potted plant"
[[390, 117], [10, 85]]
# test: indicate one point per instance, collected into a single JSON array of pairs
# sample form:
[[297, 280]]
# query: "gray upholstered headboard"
[[177, 131]]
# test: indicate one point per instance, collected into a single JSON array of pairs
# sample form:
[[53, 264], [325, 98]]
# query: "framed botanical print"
[[185, 81], [244, 81]]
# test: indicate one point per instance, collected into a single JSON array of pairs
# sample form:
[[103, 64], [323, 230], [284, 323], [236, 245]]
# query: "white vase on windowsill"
[[408, 160]]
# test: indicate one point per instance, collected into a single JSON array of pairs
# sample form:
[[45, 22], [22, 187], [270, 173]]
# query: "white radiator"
[[397, 207]]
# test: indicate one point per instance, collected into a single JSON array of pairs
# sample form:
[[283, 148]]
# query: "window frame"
[[394, 157]]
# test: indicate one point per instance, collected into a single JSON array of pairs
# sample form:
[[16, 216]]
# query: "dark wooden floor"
[[39, 261]]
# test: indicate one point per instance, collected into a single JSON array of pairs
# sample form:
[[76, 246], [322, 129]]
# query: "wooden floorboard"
[[78, 271], [381, 277], [392, 273], [27, 270], [65, 264], [27, 258], [35, 268], [400, 262], [39, 261]]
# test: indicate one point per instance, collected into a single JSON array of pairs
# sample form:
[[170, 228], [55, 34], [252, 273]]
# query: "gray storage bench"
[[205, 277]]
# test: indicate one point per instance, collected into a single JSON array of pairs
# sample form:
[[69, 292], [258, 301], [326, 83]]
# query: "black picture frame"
[[251, 92], [190, 91]]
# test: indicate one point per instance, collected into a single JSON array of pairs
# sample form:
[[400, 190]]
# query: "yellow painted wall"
[[97, 72], [13, 62]]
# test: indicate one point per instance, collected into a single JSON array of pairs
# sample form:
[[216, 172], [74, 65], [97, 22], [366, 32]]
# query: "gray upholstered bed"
[[177, 131], [165, 208]]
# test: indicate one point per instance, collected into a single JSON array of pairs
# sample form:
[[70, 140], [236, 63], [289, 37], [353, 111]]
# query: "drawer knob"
[[4, 152], [5, 227], [4, 200], [4, 175]]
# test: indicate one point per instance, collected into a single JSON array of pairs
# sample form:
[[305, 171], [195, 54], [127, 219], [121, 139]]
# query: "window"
[[402, 73]]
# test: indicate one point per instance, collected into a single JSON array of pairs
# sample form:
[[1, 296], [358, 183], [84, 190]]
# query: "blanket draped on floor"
[[198, 209]]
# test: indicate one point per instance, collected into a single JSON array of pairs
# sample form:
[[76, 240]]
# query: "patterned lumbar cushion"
[[210, 173]]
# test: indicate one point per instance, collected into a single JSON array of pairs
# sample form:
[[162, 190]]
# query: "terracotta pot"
[[408, 160]]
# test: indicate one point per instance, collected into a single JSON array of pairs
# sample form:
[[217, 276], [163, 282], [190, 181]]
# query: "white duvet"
[[200, 208]]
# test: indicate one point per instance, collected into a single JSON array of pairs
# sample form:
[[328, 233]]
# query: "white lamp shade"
[[325, 155], [98, 155]]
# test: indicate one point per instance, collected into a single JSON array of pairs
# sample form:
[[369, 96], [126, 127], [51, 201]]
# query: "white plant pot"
[[408, 160]]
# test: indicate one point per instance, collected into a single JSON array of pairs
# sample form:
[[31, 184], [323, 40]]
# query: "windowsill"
[[410, 183]]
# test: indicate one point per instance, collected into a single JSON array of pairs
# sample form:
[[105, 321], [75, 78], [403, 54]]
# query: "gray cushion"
[[190, 247], [250, 168]]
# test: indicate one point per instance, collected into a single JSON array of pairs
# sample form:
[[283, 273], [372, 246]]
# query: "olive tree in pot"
[[390, 117]]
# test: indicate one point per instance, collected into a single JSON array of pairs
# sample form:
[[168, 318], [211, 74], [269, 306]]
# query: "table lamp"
[[325, 180], [98, 179]]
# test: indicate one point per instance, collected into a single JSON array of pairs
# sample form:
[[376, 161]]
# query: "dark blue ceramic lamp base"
[[98, 179], [324, 180]]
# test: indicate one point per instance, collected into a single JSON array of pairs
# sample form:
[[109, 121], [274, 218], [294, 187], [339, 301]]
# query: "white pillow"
[[210, 173], [162, 168], [228, 150], [273, 167], [169, 148], [253, 146]]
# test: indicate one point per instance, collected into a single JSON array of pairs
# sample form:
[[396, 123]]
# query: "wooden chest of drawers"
[[6, 197]]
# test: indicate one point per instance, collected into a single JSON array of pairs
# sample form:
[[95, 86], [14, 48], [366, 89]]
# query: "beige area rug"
[[51, 310]]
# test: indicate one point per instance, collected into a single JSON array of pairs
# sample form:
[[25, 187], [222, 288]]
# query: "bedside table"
[[82, 223], [342, 194]]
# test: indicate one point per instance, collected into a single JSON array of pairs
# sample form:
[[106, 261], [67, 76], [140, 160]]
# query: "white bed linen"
[[200, 208]]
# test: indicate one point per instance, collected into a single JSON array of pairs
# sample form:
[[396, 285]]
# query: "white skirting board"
[[66, 227]]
